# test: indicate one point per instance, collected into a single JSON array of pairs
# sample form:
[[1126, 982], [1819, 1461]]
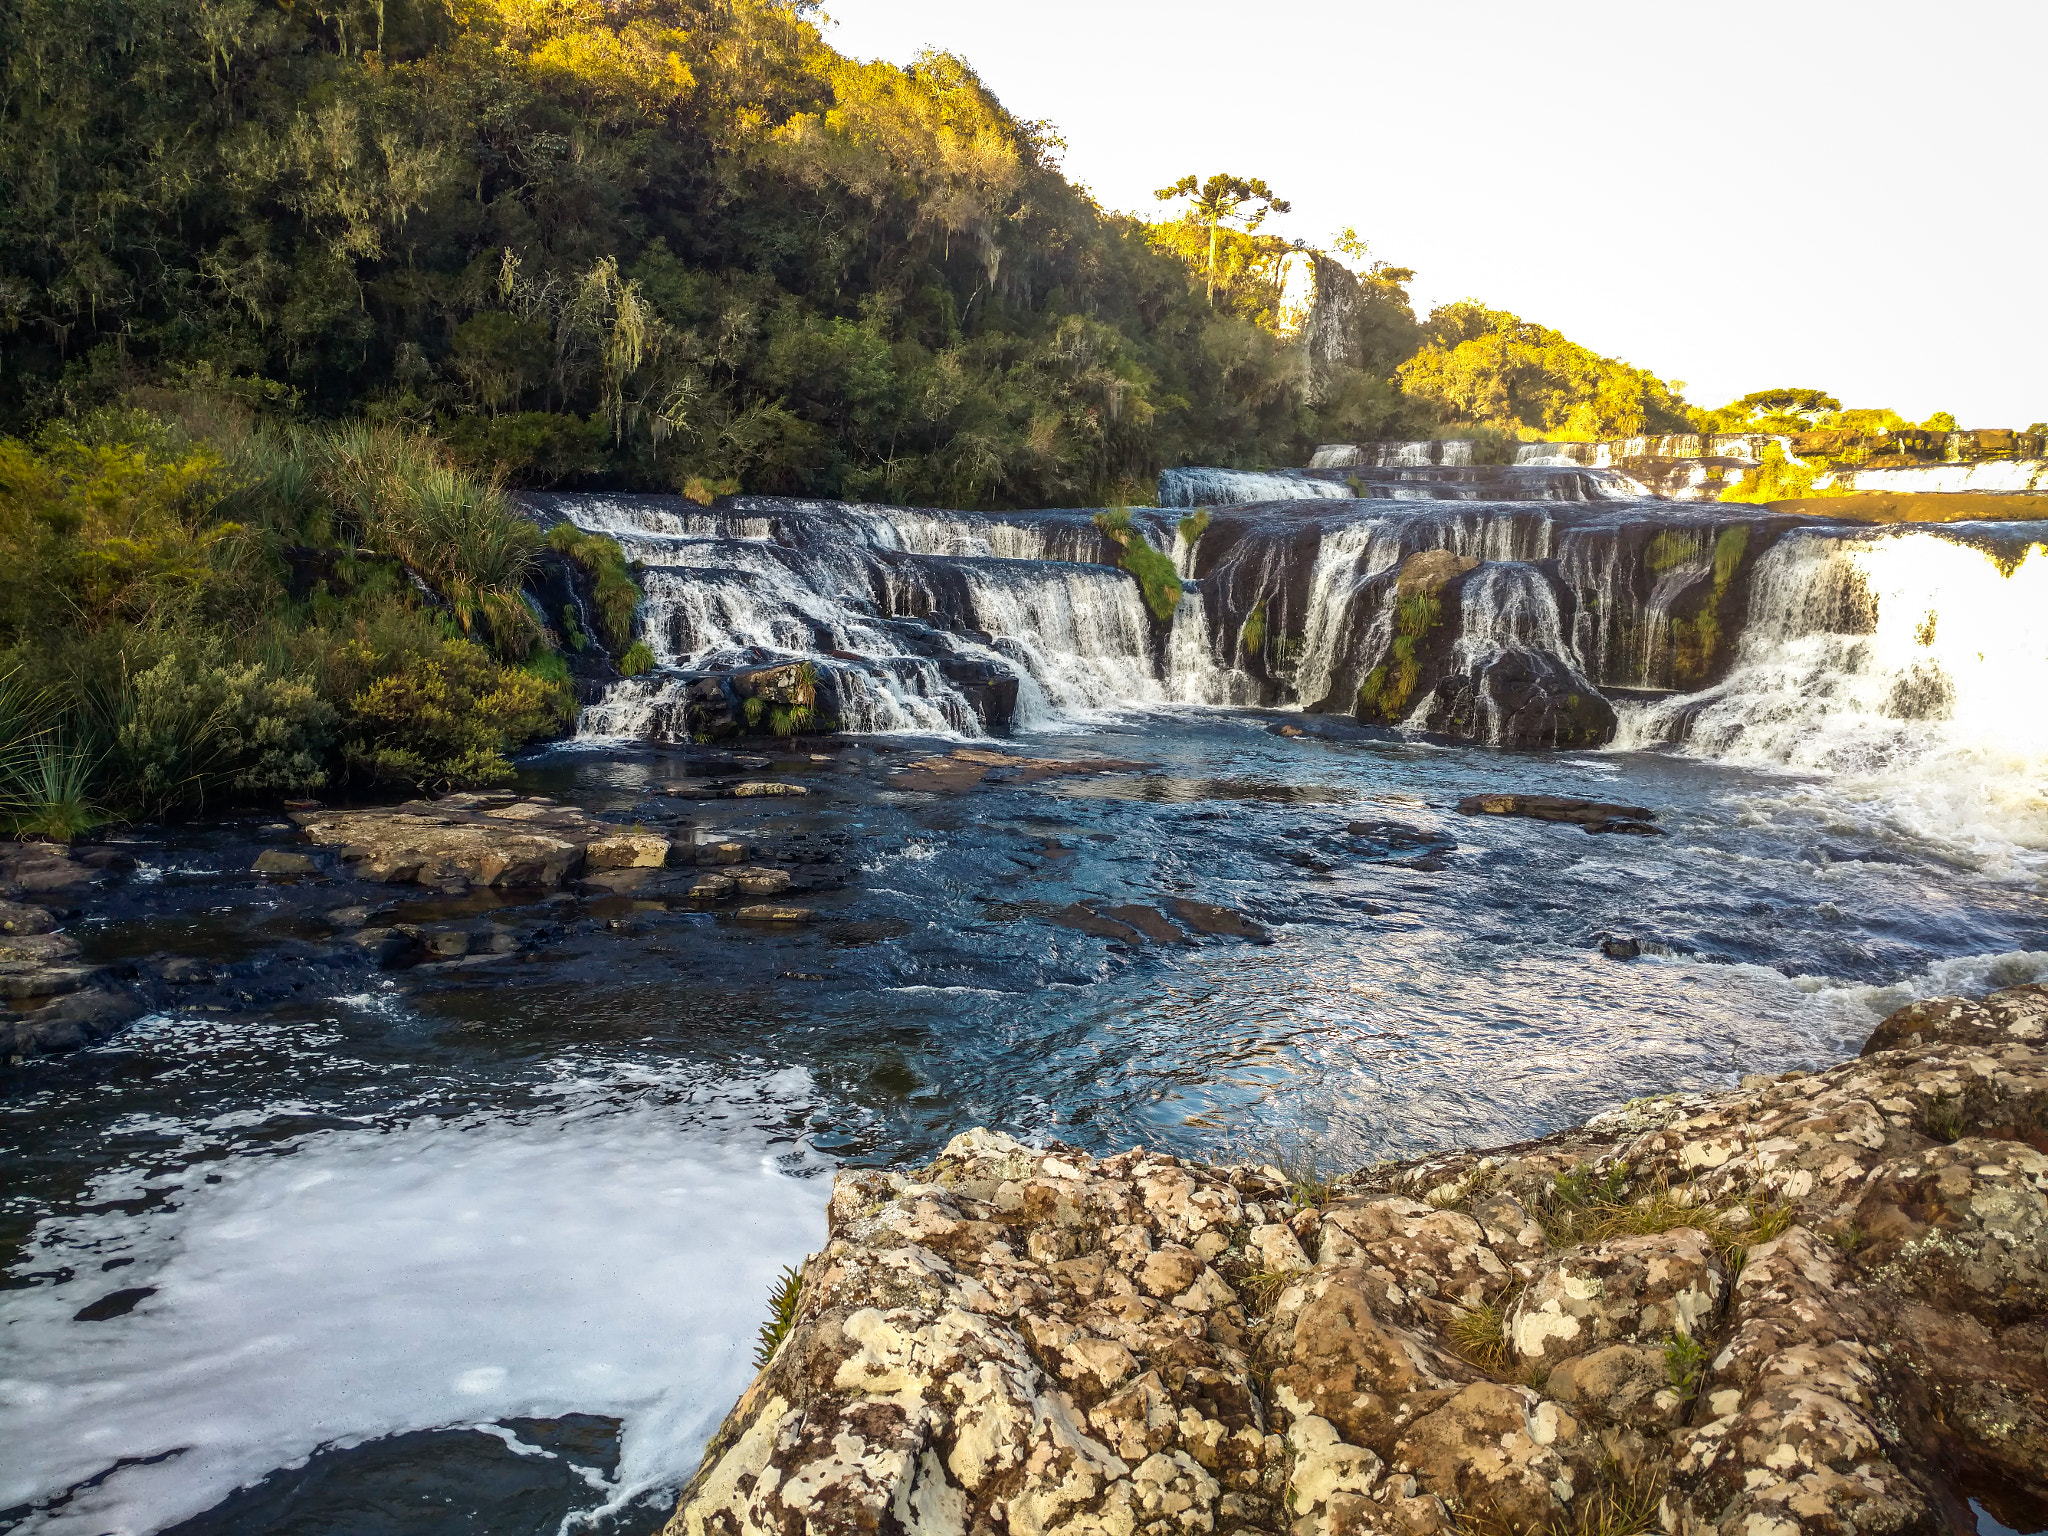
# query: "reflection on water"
[[480, 1200]]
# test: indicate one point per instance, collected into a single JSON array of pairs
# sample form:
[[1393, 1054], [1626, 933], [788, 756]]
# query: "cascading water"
[[1908, 664]]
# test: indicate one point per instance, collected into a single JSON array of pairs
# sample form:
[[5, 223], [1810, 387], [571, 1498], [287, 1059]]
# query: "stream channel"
[[483, 1245]]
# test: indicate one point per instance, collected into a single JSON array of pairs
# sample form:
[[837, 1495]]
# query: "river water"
[[484, 1246]]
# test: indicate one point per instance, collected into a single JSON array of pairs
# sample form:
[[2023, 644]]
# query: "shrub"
[[193, 727], [639, 658], [445, 719]]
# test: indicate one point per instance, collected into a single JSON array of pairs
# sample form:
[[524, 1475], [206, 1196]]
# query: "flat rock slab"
[[485, 840], [965, 767], [1221, 922], [1593, 815]]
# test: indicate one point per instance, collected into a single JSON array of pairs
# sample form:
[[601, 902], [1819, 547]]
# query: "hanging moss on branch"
[[1157, 578]]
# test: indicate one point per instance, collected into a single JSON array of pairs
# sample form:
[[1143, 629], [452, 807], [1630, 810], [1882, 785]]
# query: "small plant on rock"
[[1945, 1117], [1480, 1335], [1685, 1363], [782, 1300]]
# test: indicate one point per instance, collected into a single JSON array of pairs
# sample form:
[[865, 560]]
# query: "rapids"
[[483, 1245]]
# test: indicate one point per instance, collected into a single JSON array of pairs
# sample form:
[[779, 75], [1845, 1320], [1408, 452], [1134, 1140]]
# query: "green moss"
[[1388, 691], [1670, 548], [616, 593], [1252, 637], [1157, 578]]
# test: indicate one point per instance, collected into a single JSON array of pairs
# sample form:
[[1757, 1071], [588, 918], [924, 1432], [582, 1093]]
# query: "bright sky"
[[1850, 195]]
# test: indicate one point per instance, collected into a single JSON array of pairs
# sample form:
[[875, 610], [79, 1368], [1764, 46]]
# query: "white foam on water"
[[597, 1257], [1906, 668]]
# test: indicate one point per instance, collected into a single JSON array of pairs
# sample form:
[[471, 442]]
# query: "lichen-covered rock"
[[1816, 1304]]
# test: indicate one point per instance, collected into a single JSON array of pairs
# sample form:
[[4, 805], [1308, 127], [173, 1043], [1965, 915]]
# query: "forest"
[[293, 292]]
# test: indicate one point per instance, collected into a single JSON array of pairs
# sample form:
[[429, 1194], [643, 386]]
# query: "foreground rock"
[[1816, 1304], [478, 839]]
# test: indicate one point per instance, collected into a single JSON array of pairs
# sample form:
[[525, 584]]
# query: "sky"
[[1851, 196]]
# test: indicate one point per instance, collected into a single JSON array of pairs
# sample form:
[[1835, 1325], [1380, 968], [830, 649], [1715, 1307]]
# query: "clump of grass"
[[639, 658], [1194, 525], [1157, 579], [615, 592], [1944, 1117], [782, 1301], [1590, 1206], [1480, 1335], [1253, 635], [1262, 1287], [1616, 1506]]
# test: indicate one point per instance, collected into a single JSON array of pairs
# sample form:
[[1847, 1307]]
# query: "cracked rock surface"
[[1815, 1304]]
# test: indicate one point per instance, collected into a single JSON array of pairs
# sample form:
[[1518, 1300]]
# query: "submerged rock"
[[1815, 1304], [1593, 815]]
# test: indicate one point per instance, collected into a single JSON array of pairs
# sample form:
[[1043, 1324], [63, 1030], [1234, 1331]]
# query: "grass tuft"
[[783, 1297]]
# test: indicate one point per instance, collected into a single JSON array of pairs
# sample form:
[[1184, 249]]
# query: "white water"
[[1994, 475], [1413, 455], [1905, 666], [1203, 487], [610, 1253]]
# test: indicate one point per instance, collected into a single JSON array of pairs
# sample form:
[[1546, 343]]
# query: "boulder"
[[1814, 1304], [767, 913], [277, 861], [15, 917], [627, 850], [1517, 697]]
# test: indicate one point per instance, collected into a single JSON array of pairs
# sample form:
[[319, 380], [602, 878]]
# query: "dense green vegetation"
[[254, 613], [293, 295]]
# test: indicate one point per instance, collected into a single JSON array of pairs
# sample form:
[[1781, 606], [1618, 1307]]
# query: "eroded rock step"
[[1814, 1304]]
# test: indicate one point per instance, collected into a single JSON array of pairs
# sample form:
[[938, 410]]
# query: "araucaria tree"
[[1225, 199]]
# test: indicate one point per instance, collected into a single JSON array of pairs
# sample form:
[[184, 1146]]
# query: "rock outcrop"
[[1815, 1304], [500, 839]]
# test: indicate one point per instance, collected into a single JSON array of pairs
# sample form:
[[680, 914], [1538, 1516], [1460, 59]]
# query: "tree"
[[1221, 199], [1786, 409]]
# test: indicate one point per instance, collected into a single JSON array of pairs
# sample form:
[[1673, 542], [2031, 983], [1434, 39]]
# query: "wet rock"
[[1086, 920], [35, 870], [756, 881], [15, 917], [349, 917], [721, 853], [279, 862], [184, 971], [1815, 1304], [767, 913], [1594, 815], [713, 887], [36, 965], [1516, 697], [749, 789], [1222, 922], [1149, 921], [627, 850], [1621, 947], [387, 948], [77, 1020]]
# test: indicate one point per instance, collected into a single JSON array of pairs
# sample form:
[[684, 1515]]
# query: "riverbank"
[[1816, 1304]]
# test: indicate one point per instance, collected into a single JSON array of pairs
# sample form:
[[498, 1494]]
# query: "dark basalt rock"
[[1521, 698]]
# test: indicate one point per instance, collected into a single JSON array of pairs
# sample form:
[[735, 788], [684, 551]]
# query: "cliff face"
[[1815, 1304]]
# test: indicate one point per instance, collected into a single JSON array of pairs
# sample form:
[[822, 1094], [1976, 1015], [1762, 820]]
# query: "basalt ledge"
[[1817, 1303]]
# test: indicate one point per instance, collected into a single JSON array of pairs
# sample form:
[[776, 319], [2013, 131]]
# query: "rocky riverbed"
[[1818, 1303]]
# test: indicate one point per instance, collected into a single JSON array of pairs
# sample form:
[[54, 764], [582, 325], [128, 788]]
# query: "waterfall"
[[1078, 633], [1224, 487], [1909, 663]]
